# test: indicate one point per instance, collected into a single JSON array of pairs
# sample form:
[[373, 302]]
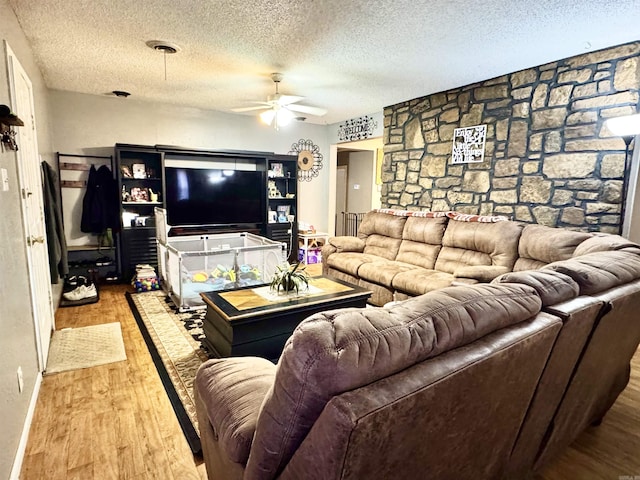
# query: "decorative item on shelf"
[[309, 159], [153, 196], [125, 170], [288, 278], [283, 213], [277, 170], [7, 134], [139, 170], [274, 192], [273, 216], [139, 194]]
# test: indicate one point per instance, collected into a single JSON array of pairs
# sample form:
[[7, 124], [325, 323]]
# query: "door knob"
[[33, 240]]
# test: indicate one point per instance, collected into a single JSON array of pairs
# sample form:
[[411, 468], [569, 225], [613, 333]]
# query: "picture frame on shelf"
[[139, 194], [139, 170], [283, 213], [277, 170]]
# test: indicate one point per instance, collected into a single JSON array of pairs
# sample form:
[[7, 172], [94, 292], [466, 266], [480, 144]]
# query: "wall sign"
[[468, 144], [309, 159], [356, 129]]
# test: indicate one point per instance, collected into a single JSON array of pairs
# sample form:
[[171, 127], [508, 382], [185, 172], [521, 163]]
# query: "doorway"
[[357, 183]]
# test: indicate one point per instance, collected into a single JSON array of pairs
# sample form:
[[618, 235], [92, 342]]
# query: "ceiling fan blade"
[[250, 109], [283, 100], [316, 111]]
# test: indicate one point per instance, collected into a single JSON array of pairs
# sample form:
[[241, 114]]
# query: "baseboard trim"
[[22, 446]]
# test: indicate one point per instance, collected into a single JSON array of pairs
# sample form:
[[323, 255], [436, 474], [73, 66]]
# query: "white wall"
[[17, 335], [360, 181], [90, 124]]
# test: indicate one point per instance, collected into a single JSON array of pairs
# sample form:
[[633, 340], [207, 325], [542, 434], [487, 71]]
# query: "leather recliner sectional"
[[483, 380]]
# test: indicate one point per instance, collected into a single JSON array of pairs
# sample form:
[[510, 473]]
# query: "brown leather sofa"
[[470, 381], [399, 254]]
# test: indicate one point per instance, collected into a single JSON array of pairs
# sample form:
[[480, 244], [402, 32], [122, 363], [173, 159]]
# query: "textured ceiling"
[[351, 57]]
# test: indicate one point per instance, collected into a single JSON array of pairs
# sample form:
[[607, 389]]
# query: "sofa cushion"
[[349, 262], [336, 351], [232, 390], [382, 272], [422, 241], [540, 245], [382, 234], [553, 287], [602, 242], [481, 273], [477, 243], [346, 244], [600, 271], [417, 282]]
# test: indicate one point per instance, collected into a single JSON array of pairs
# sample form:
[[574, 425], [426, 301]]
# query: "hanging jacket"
[[56, 240], [100, 205]]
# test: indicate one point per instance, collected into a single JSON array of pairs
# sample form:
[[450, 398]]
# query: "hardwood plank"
[[110, 421], [119, 414]]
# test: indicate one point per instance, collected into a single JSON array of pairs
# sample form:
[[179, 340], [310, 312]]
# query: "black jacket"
[[100, 205]]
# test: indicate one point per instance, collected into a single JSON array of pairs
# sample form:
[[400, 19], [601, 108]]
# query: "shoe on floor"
[[81, 292], [103, 261], [111, 276]]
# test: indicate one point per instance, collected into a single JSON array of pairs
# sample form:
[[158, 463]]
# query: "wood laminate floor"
[[115, 421]]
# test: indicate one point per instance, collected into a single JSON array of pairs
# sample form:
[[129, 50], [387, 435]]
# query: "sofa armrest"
[[347, 244], [232, 391], [481, 273]]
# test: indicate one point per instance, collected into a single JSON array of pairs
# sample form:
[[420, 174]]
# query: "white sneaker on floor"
[[81, 293], [91, 291]]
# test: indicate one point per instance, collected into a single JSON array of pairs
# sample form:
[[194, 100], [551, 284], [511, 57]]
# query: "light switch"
[[5, 179]]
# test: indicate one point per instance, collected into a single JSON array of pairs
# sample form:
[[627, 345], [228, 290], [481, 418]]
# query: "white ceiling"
[[352, 57]]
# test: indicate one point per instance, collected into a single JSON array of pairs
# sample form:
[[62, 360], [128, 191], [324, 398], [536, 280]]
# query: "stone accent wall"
[[549, 159]]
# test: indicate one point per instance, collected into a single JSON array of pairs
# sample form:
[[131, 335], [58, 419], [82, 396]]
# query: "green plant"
[[289, 277]]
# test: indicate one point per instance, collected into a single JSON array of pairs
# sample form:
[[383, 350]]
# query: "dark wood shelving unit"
[[137, 242]]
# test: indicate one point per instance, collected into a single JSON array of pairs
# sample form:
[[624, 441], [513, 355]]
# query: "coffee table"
[[251, 321]]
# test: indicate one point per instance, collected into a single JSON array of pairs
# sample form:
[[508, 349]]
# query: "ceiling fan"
[[279, 109]]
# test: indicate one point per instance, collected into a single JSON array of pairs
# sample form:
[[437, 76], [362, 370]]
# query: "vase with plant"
[[288, 278]]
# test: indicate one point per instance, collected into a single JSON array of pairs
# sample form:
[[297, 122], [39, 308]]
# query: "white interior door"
[[30, 177]]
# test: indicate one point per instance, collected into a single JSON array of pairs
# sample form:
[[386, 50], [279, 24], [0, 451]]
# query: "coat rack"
[[8, 134]]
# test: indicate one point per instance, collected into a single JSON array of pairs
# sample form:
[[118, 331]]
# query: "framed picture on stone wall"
[[468, 144]]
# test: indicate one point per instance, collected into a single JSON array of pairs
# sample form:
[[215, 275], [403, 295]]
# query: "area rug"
[[83, 347], [173, 339]]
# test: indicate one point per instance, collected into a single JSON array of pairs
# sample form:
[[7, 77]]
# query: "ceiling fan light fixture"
[[284, 116], [267, 116]]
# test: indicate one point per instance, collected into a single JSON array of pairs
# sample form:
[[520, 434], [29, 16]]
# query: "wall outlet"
[[20, 380]]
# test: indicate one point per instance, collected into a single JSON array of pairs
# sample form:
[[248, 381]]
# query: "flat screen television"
[[201, 196]]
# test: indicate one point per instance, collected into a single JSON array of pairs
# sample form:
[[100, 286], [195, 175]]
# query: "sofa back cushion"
[[422, 241], [336, 351], [540, 245], [382, 234], [603, 242], [478, 243], [600, 271]]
